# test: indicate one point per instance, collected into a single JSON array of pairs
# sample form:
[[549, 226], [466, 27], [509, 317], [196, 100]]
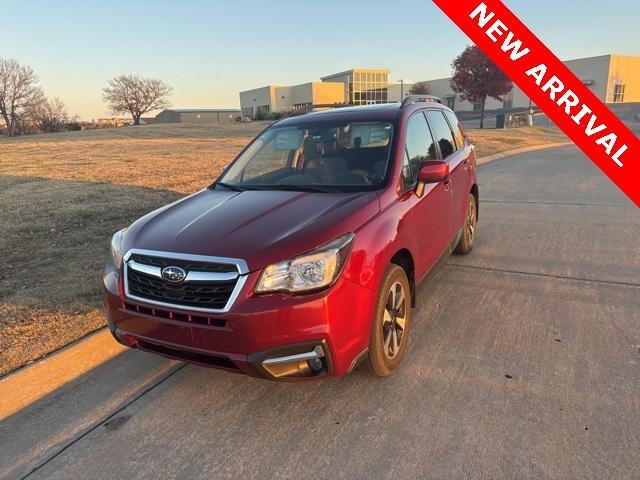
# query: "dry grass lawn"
[[63, 195]]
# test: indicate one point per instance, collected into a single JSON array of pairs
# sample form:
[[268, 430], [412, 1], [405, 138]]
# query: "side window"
[[419, 147], [441, 132], [455, 125]]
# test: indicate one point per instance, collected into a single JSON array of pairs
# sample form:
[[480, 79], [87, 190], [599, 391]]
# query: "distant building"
[[362, 86], [198, 115], [114, 122], [273, 98], [396, 92], [356, 86], [612, 78]]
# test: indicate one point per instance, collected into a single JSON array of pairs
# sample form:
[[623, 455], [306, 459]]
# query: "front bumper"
[[335, 323]]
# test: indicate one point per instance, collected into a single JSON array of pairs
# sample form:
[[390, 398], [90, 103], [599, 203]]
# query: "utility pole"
[[401, 89]]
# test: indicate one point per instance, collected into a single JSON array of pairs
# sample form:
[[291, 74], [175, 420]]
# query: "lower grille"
[[210, 360], [180, 317]]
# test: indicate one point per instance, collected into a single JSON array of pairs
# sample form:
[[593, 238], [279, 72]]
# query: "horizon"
[[208, 59]]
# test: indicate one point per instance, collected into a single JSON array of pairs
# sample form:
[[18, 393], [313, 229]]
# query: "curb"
[[36, 380], [517, 151]]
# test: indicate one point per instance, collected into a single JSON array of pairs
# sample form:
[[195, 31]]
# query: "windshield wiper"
[[283, 187], [228, 186], [298, 188]]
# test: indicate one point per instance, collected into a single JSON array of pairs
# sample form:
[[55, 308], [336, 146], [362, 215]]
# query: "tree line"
[[23, 105], [24, 108]]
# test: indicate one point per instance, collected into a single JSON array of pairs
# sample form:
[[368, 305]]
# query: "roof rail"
[[411, 99], [311, 108]]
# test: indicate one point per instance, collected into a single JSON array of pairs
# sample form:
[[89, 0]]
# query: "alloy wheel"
[[471, 220], [394, 320]]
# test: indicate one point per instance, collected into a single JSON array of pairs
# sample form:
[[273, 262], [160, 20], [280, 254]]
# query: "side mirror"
[[432, 172]]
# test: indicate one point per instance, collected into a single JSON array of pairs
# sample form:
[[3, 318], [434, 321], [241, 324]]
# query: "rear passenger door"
[[452, 150], [431, 212]]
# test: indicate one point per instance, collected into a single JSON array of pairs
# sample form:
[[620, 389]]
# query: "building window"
[[477, 105], [507, 101], [368, 88], [451, 102], [618, 93], [299, 106]]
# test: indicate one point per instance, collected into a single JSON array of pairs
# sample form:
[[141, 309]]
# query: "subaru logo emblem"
[[173, 274]]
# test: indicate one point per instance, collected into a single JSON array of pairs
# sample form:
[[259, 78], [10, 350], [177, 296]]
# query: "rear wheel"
[[389, 334], [469, 228]]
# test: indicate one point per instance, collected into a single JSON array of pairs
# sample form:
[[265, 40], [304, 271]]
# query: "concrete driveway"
[[524, 363]]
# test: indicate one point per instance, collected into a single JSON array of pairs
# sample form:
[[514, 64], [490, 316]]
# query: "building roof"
[[352, 70], [202, 110]]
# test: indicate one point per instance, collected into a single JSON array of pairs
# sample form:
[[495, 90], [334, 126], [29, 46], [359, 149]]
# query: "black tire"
[[386, 350], [470, 227]]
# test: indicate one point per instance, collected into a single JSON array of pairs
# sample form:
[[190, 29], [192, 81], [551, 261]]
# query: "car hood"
[[260, 227]]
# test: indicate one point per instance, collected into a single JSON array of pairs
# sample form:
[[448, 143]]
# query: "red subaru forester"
[[302, 259]]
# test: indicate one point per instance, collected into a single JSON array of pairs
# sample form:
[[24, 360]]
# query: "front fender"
[[377, 242]]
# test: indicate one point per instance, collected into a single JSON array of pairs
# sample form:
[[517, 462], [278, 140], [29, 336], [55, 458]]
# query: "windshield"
[[324, 158]]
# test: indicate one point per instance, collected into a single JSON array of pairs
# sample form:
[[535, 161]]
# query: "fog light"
[[305, 364], [315, 364], [292, 369]]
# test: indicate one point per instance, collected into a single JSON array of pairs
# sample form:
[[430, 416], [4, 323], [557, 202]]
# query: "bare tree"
[[51, 116], [136, 95], [420, 88], [20, 93]]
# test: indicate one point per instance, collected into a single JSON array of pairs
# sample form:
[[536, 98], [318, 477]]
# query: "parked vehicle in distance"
[[302, 259]]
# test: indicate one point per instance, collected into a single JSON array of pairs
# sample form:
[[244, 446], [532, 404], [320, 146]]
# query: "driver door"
[[431, 212]]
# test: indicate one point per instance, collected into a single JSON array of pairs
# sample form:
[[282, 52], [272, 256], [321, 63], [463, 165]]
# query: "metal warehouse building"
[[198, 115]]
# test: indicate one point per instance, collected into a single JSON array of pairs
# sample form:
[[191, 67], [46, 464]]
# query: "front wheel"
[[389, 333], [469, 228]]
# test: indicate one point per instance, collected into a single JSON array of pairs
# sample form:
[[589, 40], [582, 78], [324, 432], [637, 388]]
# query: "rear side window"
[[455, 125], [441, 132], [419, 148]]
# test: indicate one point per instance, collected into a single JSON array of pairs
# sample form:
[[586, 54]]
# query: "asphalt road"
[[524, 363]]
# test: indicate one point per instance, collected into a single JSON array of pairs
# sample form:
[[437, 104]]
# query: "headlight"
[[312, 271], [116, 248]]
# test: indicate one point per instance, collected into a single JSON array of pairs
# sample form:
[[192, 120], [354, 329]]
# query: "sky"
[[210, 50]]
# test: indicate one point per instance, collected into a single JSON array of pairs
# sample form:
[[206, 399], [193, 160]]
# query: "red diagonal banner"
[[553, 87]]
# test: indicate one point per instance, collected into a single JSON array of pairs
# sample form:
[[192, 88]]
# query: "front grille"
[[209, 294], [187, 265]]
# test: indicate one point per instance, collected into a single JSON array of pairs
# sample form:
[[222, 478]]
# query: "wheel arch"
[[476, 194], [404, 260]]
